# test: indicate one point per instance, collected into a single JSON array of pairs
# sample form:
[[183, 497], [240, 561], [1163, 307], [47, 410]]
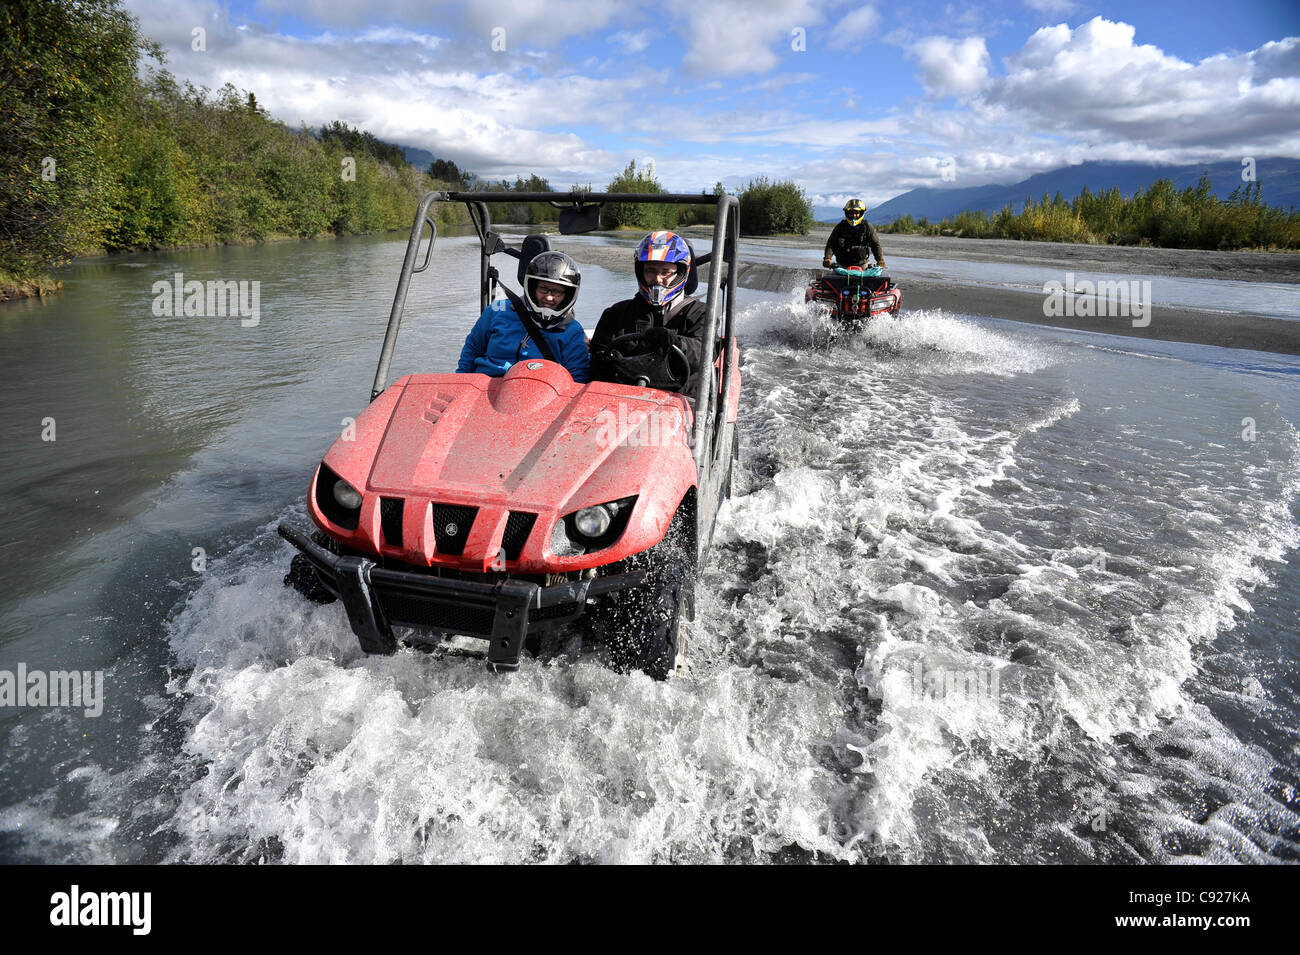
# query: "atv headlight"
[[592, 522], [347, 496]]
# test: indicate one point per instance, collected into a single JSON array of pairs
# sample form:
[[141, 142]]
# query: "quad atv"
[[856, 294], [500, 508]]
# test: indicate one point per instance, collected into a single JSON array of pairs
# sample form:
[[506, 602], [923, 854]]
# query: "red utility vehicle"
[[501, 507]]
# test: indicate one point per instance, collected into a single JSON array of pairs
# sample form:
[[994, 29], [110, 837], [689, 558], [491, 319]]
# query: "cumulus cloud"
[[951, 67], [1096, 82]]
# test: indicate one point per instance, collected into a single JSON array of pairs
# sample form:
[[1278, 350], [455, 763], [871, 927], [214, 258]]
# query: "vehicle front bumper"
[[504, 613]]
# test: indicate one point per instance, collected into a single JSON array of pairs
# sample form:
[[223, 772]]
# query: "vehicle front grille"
[[451, 526], [518, 526], [390, 520]]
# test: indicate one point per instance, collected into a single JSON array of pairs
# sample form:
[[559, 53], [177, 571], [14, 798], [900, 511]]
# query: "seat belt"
[[530, 326]]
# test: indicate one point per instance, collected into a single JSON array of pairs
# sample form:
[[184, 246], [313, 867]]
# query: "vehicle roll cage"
[[580, 212]]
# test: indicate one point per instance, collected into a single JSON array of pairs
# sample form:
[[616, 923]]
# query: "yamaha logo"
[[451, 530], [534, 365]]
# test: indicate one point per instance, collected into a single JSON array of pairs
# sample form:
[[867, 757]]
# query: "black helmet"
[[558, 269], [854, 211]]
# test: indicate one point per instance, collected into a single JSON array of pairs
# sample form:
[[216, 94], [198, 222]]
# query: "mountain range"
[[1279, 179]]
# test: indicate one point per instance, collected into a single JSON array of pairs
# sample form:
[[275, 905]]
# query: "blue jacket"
[[498, 340]]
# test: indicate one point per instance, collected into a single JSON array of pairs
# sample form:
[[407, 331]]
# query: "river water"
[[986, 592]]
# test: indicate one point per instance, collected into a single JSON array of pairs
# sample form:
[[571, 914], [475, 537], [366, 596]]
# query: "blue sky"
[[865, 99]]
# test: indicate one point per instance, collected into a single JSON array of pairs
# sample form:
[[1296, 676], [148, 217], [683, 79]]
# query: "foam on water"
[[883, 519], [312, 752]]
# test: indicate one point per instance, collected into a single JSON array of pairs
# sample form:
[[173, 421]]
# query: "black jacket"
[[845, 239], [686, 323]]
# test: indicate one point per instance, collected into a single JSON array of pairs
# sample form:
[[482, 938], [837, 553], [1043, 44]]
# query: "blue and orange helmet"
[[663, 247]]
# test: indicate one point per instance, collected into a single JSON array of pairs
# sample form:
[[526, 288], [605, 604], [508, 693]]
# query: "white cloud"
[[534, 23], [732, 37], [854, 29], [1097, 85], [951, 67]]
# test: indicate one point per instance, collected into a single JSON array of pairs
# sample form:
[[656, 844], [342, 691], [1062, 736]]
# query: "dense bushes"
[[64, 74], [642, 216], [774, 208], [520, 213], [1160, 215], [766, 208], [195, 167]]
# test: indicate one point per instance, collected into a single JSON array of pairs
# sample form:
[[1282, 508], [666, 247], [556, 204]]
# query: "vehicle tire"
[[303, 578], [645, 621]]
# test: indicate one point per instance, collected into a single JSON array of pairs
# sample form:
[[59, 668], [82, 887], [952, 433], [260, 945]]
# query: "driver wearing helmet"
[[500, 337], [660, 312], [851, 239]]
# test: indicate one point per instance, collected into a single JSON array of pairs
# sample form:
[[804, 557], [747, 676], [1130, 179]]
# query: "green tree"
[[637, 215], [446, 171], [775, 208], [702, 214], [64, 70]]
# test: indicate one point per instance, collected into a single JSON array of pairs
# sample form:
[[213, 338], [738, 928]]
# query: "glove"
[[826, 261], [880, 262], [657, 338]]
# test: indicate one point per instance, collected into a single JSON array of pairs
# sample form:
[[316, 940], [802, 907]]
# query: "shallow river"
[[985, 592]]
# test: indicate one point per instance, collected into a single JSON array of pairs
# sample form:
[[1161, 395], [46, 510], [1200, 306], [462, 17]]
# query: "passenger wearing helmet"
[[660, 312], [851, 239], [501, 337]]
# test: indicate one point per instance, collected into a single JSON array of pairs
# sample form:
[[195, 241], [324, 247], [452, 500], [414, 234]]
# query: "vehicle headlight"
[[347, 496], [592, 522], [591, 528]]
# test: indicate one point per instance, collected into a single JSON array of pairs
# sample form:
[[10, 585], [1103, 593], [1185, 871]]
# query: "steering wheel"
[[674, 381]]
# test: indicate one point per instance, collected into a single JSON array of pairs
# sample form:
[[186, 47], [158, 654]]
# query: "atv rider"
[[660, 312], [851, 239], [502, 336]]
